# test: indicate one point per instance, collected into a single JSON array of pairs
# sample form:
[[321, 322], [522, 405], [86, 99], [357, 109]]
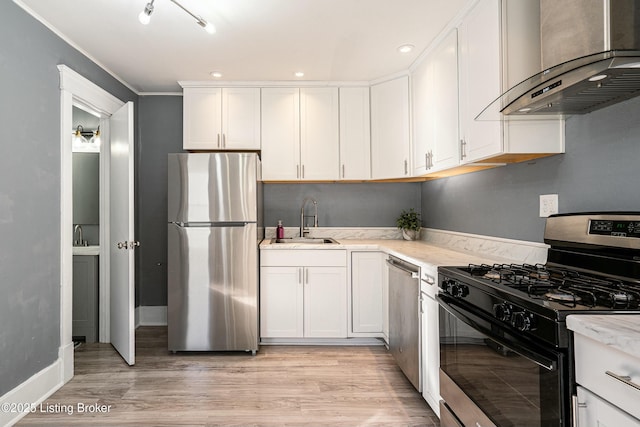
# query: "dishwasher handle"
[[413, 274]]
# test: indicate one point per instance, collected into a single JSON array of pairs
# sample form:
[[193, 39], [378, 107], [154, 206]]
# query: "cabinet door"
[[325, 302], [390, 143], [85, 297], [280, 134], [435, 109], [355, 134], [366, 292], [202, 119], [281, 302], [594, 411], [319, 149], [430, 353], [241, 119], [480, 80]]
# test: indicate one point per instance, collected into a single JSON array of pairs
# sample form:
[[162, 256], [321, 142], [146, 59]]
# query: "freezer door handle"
[[213, 224]]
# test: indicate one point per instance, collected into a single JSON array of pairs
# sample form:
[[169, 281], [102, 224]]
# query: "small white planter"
[[410, 234]]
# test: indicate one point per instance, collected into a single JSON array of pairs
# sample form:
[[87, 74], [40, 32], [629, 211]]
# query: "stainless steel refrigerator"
[[215, 226]]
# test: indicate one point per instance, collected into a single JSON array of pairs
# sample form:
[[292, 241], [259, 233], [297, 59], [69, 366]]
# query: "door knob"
[[122, 245], [133, 244]]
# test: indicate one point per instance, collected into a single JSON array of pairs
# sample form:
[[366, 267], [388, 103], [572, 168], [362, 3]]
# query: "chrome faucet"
[[80, 241], [305, 230]]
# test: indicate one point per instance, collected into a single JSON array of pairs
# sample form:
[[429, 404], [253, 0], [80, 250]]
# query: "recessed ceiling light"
[[216, 74], [598, 77], [299, 74], [406, 48]]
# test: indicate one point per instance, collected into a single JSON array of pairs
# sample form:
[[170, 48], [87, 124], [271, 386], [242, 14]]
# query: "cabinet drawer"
[[594, 360], [304, 258]]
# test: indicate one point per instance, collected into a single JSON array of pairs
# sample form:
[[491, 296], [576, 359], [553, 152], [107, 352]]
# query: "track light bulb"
[[145, 15]]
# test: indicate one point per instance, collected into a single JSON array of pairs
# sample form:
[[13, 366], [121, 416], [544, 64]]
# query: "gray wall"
[[341, 205], [30, 189], [160, 126], [600, 171]]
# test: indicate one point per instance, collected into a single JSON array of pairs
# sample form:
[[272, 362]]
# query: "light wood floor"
[[283, 386]]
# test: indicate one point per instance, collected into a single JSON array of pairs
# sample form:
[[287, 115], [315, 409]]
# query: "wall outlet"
[[548, 205]]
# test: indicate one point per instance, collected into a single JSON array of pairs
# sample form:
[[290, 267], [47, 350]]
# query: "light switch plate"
[[548, 205]]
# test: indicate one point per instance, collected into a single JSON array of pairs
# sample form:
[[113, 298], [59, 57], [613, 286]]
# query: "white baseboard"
[[151, 315], [31, 392]]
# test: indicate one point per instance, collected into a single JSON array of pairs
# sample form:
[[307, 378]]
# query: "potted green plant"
[[409, 223]]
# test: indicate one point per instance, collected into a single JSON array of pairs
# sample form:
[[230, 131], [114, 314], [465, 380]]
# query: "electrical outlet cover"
[[548, 205]]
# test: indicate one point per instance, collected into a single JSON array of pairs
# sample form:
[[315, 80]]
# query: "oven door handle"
[[467, 317]]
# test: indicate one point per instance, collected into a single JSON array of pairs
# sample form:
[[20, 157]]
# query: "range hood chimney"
[[590, 57]]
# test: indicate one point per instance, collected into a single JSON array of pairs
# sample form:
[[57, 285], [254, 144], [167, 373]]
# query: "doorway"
[[116, 290]]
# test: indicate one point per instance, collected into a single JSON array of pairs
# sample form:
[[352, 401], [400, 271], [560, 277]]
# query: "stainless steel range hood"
[[596, 44]]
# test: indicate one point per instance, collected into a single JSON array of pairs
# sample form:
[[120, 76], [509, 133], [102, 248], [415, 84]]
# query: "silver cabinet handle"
[[300, 275], [430, 159], [463, 149], [297, 171], [306, 276], [426, 160], [343, 170], [224, 140], [430, 280], [302, 171], [406, 167], [624, 379], [218, 140], [122, 245]]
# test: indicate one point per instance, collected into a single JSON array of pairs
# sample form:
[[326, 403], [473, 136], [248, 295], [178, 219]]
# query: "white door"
[[121, 240]]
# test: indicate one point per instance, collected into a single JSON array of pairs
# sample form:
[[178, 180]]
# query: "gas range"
[[593, 267], [505, 350], [535, 299]]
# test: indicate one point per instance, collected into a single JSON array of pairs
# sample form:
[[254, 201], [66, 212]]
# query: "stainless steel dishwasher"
[[404, 317]]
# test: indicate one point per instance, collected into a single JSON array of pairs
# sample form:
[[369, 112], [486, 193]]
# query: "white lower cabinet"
[[303, 294], [429, 338], [594, 411], [608, 384], [368, 277]]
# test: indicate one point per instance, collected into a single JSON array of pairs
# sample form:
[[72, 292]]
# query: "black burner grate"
[[563, 285]]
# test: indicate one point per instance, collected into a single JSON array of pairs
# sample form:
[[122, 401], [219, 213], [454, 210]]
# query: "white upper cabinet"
[[221, 118], [390, 142], [280, 134], [480, 80], [434, 90], [498, 47], [319, 146], [355, 134], [300, 134]]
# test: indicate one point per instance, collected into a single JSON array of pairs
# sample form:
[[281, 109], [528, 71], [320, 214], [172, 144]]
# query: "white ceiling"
[[336, 40]]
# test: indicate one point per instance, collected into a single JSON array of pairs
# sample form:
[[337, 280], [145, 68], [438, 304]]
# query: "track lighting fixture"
[[145, 16]]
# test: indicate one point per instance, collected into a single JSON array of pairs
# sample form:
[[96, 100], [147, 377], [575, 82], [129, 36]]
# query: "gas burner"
[[562, 297]]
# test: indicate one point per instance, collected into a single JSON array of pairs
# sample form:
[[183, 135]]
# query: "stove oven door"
[[489, 375]]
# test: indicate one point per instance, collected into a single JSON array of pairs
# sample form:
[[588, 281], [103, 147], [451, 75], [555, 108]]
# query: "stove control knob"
[[460, 291], [502, 312], [521, 321]]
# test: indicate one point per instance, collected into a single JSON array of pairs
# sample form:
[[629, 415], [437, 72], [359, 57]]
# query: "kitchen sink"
[[315, 241]]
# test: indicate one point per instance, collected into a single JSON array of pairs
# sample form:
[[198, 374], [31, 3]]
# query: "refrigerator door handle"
[[213, 224]]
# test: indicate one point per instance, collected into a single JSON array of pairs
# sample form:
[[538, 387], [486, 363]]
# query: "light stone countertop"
[[620, 331], [417, 252]]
